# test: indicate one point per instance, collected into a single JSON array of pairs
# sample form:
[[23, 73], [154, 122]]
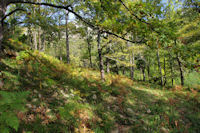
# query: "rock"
[[64, 94], [29, 105], [35, 91], [34, 100], [55, 94], [163, 130], [115, 108], [122, 117], [148, 111], [39, 95], [94, 97], [48, 110], [115, 131], [130, 111]]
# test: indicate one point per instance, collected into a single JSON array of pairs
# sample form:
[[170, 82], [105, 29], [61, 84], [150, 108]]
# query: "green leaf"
[[13, 122], [4, 129]]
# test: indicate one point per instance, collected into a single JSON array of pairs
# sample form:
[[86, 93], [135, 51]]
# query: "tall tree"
[[101, 65]]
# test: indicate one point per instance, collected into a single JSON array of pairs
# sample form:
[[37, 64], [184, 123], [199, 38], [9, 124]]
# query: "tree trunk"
[[107, 65], [132, 67], [108, 61], [3, 7], [39, 39], [30, 42], [123, 70], [148, 70], [165, 72], [43, 43], [89, 51], [35, 39], [59, 39], [181, 70], [159, 66], [117, 68], [180, 67], [144, 76], [67, 37], [39, 31], [101, 67], [172, 72]]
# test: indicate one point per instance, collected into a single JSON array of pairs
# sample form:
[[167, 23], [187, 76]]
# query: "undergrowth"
[[42, 94]]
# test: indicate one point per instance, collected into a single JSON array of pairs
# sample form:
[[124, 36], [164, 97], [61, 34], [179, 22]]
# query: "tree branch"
[[10, 13], [77, 15], [141, 20], [37, 3]]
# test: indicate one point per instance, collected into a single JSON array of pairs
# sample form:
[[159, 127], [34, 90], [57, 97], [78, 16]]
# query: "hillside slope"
[[41, 94]]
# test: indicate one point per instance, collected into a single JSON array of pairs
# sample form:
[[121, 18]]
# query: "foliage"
[[11, 103], [75, 99]]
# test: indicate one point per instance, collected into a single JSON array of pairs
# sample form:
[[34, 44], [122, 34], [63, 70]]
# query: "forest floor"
[[65, 98]]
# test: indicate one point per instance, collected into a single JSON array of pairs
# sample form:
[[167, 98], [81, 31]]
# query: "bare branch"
[[37, 3], [10, 13]]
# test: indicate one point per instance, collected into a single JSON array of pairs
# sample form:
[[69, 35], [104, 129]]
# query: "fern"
[[10, 103]]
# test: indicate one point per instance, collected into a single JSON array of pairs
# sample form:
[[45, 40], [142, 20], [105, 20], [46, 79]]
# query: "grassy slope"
[[64, 98]]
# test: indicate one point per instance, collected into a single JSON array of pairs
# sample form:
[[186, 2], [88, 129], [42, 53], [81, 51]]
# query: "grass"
[[65, 98]]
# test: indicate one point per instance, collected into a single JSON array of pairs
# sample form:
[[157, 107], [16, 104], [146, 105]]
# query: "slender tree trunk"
[[39, 39], [148, 70], [3, 7], [117, 69], [30, 37], [107, 65], [89, 51], [39, 31], [172, 72], [144, 76], [132, 67], [67, 37], [165, 72], [43, 43], [35, 39], [101, 67], [159, 66], [123, 70], [108, 61], [180, 69], [59, 38]]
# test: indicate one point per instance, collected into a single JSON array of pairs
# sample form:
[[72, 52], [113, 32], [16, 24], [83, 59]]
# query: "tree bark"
[[172, 72], [132, 67], [144, 76], [39, 30], [67, 37], [39, 39], [107, 65], [3, 7], [148, 69], [101, 67], [59, 39], [89, 51], [35, 39], [123, 69], [108, 61], [180, 69], [43, 43], [165, 72], [159, 66]]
